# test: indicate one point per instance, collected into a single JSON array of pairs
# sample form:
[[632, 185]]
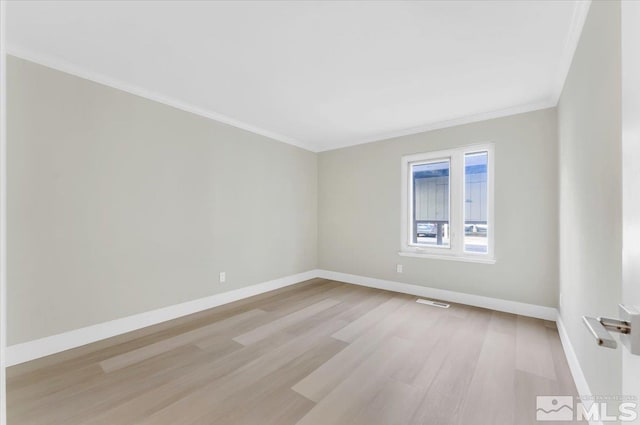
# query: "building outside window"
[[447, 209]]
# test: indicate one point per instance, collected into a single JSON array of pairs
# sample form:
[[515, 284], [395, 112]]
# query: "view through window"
[[431, 203], [447, 206], [475, 202]]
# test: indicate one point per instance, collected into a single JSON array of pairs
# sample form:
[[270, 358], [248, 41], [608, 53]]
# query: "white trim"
[[20, 353], [491, 201], [570, 44], [42, 347], [31, 350], [465, 259], [574, 365], [515, 307], [77, 71], [438, 125], [406, 224], [69, 68], [455, 249], [577, 23], [64, 66], [3, 214]]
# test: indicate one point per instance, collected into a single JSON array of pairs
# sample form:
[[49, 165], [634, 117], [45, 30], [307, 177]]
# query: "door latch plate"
[[631, 340]]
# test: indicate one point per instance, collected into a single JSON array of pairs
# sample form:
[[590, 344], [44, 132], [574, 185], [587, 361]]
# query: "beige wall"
[[119, 205], [589, 132], [359, 210]]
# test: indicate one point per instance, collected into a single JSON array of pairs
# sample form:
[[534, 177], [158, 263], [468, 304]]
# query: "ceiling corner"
[[578, 19]]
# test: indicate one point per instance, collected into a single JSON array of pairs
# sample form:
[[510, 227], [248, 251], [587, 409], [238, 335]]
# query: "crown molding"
[[578, 19], [570, 43], [467, 119], [78, 71]]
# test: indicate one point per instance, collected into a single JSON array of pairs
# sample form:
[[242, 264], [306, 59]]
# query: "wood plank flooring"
[[317, 353]]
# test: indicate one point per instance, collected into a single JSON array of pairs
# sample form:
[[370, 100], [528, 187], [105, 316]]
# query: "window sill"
[[466, 259]]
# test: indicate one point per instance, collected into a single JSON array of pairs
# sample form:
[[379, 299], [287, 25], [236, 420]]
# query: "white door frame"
[[3, 213], [630, 181]]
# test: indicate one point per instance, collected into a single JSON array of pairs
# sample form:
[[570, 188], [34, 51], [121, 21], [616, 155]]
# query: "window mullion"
[[427, 168], [457, 179]]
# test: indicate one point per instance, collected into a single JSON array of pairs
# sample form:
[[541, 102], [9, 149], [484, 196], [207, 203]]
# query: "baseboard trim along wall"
[[20, 353], [574, 366], [515, 307], [24, 352]]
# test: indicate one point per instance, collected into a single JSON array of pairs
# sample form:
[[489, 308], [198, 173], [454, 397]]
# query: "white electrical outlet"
[[223, 277], [398, 268]]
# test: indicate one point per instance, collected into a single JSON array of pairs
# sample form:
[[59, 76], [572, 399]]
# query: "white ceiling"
[[319, 75]]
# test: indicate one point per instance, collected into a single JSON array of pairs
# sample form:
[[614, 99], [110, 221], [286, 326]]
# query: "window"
[[476, 208], [447, 209]]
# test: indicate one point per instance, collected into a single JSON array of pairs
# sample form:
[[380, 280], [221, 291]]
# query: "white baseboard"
[[515, 307], [574, 366], [31, 350], [20, 353], [523, 309]]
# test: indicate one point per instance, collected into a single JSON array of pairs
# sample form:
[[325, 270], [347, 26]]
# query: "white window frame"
[[455, 250]]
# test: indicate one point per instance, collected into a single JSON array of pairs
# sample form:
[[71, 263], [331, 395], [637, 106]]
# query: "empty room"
[[319, 212]]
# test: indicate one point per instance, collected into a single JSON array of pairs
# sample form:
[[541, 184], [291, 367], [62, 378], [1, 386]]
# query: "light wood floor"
[[320, 352]]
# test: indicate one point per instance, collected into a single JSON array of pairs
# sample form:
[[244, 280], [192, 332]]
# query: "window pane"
[[475, 207], [431, 203]]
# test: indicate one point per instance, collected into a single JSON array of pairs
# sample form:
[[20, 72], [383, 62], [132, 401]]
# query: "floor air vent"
[[433, 303]]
